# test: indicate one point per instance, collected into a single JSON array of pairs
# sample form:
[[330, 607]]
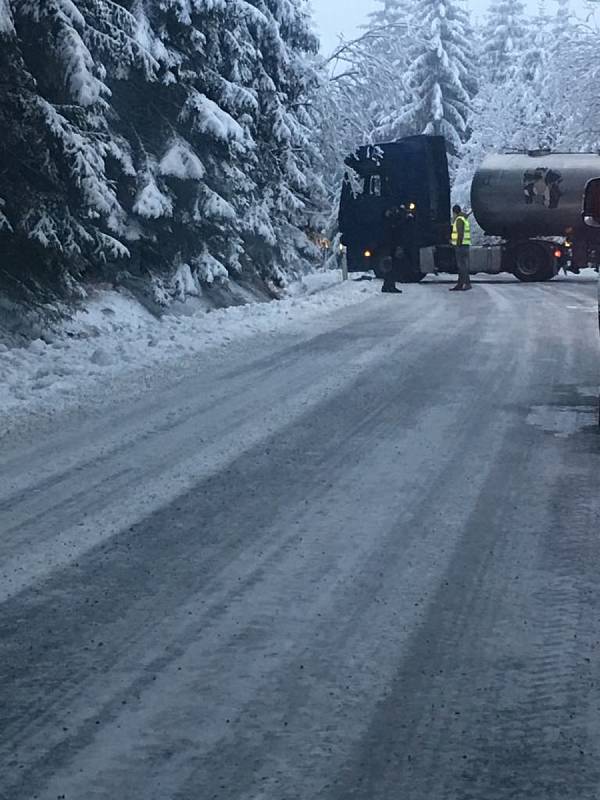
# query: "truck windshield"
[[376, 186]]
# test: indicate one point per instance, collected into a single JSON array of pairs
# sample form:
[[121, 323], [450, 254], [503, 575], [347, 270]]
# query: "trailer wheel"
[[531, 262]]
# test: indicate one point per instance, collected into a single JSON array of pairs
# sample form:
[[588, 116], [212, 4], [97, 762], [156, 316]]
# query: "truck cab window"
[[375, 186]]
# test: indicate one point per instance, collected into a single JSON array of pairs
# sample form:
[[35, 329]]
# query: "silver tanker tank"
[[524, 195]]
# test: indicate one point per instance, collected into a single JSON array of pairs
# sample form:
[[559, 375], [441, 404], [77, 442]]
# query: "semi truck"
[[395, 211], [591, 219]]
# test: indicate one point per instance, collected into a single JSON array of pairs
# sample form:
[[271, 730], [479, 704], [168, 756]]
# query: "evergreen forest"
[[188, 146]]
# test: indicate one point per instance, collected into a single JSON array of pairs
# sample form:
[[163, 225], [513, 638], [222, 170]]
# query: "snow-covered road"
[[349, 556]]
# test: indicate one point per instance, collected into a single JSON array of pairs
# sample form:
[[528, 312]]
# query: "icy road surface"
[[355, 560]]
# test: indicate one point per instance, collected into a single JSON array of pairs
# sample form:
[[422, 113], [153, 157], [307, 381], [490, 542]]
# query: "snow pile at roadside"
[[588, 272], [114, 338]]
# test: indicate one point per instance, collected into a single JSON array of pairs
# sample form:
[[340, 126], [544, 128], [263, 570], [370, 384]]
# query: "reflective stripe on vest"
[[467, 231]]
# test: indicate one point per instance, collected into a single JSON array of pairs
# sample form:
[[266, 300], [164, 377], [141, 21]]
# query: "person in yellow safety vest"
[[461, 241]]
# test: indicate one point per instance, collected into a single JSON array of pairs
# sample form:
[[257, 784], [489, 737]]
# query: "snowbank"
[[114, 341]]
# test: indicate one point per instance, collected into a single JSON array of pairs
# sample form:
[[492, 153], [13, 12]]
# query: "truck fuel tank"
[[523, 195]]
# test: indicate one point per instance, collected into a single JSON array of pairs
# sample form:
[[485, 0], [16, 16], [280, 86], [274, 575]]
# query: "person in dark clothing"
[[392, 224]]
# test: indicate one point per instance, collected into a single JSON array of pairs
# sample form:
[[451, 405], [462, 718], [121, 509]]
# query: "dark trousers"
[[463, 262], [390, 268]]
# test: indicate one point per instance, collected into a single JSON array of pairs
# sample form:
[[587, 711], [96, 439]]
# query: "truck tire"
[[531, 261]]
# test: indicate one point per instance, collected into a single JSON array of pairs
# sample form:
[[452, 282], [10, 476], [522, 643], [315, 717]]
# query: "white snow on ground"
[[114, 341], [115, 346]]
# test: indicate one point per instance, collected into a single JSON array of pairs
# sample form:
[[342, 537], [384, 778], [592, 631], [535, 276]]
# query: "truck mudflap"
[[428, 265]]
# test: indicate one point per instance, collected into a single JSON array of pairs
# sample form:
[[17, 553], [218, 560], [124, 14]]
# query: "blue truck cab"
[[395, 201]]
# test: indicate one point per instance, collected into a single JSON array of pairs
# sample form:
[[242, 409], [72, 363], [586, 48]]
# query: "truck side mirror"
[[591, 203]]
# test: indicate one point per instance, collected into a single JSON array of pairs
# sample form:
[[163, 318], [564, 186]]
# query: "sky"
[[335, 17]]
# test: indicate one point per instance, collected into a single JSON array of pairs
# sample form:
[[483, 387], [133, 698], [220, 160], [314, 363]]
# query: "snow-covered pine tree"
[[289, 162], [188, 152], [505, 117], [240, 81], [169, 134], [562, 23], [572, 64], [396, 24], [441, 76], [363, 90], [62, 206], [534, 56], [504, 39], [227, 174], [346, 113], [517, 114], [387, 12]]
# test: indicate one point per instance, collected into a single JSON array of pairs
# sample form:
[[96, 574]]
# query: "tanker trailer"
[[529, 199]]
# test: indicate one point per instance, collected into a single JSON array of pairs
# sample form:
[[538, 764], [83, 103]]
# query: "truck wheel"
[[531, 262]]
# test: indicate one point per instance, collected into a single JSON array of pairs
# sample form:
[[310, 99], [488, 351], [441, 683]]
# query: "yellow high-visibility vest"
[[467, 232]]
